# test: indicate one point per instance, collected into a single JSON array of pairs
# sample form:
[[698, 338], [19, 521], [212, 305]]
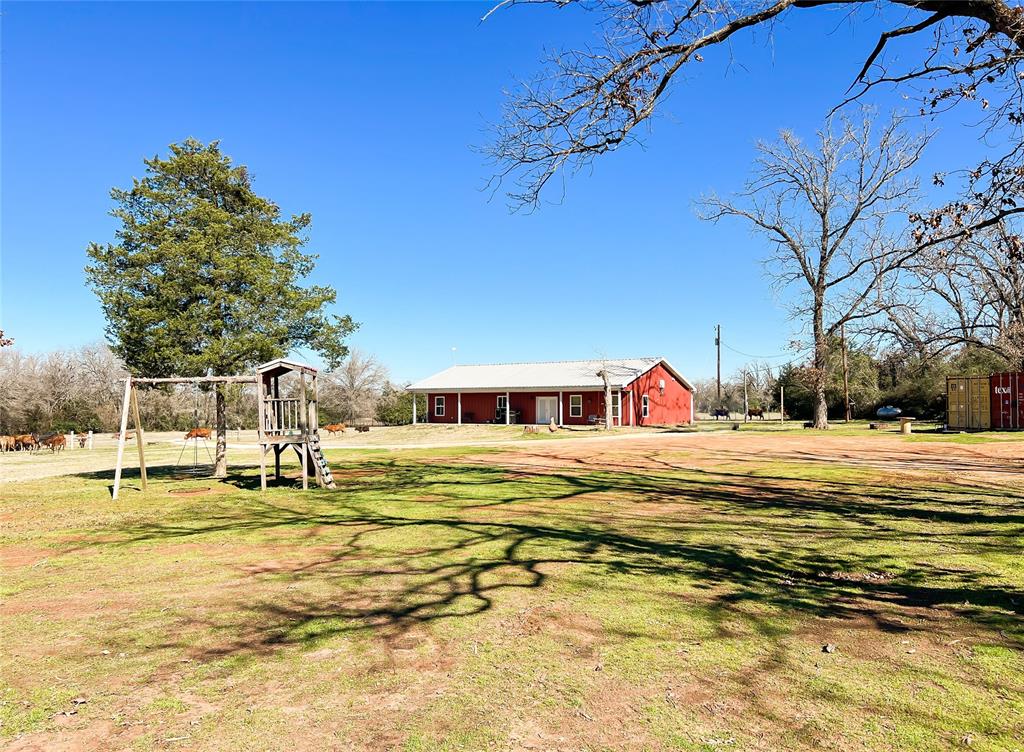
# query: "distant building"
[[645, 392]]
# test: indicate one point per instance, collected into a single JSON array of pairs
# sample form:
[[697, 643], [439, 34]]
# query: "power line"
[[764, 357]]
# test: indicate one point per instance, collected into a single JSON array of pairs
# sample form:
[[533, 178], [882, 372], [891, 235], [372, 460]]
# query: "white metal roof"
[[553, 375]]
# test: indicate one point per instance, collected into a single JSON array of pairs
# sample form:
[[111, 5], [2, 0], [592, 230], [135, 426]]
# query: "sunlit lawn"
[[440, 601]]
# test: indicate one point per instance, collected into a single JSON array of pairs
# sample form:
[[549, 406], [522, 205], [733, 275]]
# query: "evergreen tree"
[[204, 276]]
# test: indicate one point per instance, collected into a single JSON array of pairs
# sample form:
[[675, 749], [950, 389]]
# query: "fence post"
[[89, 444], [71, 444]]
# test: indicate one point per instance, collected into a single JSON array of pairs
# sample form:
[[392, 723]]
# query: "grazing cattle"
[[198, 433], [721, 412], [362, 429], [56, 442], [83, 439], [26, 442], [333, 428], [6, 443], [755, 412]]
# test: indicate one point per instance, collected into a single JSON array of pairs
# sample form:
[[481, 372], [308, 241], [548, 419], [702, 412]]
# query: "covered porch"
[[575, 407]]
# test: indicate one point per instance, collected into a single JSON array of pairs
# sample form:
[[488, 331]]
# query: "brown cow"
[[25, 441], [756, 412], [198, 433], [6, 443], [334, 428], [56, 442]]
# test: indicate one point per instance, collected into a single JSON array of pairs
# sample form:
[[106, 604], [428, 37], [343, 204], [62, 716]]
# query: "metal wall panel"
[[1007, 401], [968, 404]]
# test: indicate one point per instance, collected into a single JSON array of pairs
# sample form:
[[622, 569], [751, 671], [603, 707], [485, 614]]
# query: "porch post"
[[414, 397], [618, 396], [631, 414], [458, 400], [559, 408], [508, 409]]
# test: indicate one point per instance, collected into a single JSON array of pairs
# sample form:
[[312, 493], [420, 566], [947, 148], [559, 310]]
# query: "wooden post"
[[120, 438], [782, 403], [71, 443], [560, 421], [631, 413], [261, 434], [303, 412], [846, 375], [508, 410], [414, 397], [138, 436], [88, 444], [458, 402], [305, 455], [746, 403]]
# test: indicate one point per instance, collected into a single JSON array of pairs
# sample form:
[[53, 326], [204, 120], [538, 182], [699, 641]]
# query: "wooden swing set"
[[283, 421]]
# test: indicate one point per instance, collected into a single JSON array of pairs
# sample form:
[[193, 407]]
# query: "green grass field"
[[647, 596]]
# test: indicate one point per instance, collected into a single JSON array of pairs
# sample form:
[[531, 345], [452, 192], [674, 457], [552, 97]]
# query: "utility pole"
[[746, 404], [846, 374], [718, 347], [782, 403]]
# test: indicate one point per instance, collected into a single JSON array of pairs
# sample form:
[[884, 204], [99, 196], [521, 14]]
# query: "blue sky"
[[364, 114]]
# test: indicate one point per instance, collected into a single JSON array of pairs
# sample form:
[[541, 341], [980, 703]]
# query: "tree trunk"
[[607, 399], [220, 467], [821, 370]]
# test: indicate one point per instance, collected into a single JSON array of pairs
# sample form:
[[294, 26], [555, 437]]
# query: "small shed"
[[287, 395]]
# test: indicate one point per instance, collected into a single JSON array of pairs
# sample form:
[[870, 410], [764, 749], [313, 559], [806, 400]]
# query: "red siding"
[[673, 407], [1007, 400], [480, 407]]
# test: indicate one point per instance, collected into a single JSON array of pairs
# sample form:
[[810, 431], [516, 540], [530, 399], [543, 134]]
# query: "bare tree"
[[354, 389], [825, 211], [603, 373], [590, 101], [963, 292]]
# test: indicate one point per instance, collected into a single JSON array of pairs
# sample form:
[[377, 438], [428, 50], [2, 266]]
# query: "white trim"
[[498, 404], [439, 400], [571, 413], [458, 397], [617, 407], [536, 408], [645, 406], [561, 421]]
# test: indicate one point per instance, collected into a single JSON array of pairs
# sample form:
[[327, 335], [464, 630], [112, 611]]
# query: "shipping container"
[[968, 403], [1007, 401]]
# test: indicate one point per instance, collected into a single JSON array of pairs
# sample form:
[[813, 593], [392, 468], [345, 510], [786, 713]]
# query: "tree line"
[[914, 384], [81, 390]]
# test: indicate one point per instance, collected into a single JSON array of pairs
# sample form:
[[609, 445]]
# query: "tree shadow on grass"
[[414, 542]]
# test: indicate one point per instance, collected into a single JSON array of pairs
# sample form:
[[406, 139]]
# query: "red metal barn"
[[645, 392], [1007, 400]]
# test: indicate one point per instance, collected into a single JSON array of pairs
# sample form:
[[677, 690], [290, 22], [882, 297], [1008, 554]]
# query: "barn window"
[[575, 405], [439, 406], [616, 404], [502, 401], [645, 403]]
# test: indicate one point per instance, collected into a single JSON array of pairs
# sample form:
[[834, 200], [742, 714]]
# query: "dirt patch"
[[190, 491], [12, 557]]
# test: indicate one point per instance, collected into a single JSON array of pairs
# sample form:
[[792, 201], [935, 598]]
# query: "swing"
[[196, 436]]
